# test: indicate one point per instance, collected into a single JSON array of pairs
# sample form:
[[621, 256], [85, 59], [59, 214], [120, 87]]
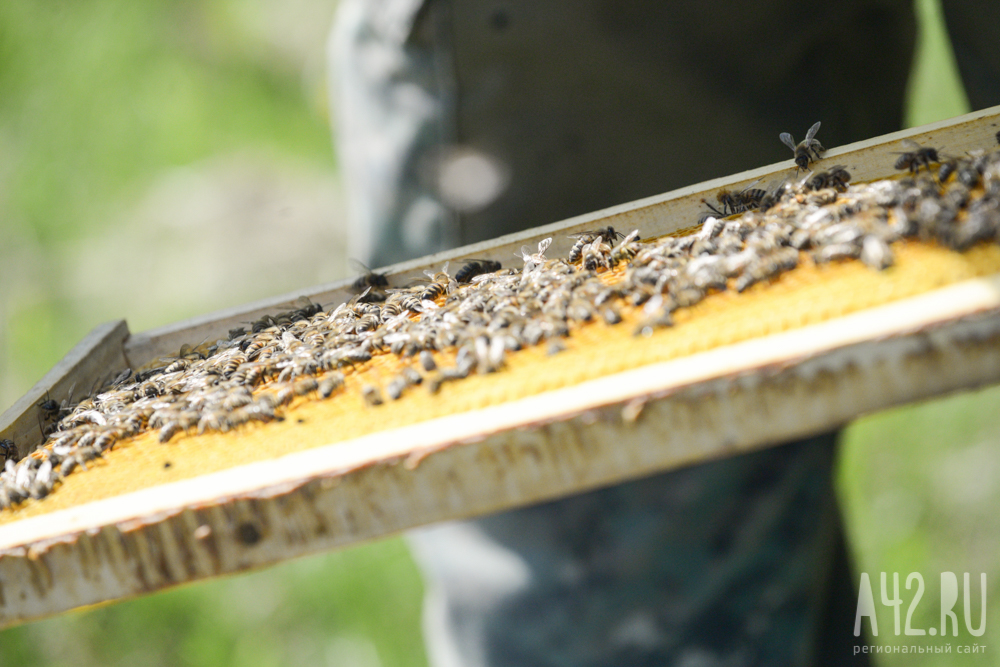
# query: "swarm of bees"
[[482, 313]]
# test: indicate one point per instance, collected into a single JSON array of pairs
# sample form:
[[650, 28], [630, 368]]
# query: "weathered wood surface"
[[98, 357], [718, 403]]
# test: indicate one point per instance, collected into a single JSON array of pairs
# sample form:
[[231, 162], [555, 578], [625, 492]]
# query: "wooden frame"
[[717, 403]]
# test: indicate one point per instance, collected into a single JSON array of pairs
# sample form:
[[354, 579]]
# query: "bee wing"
[[787, 140], [776, 185], [69, 397], [303, 302], [812, 132], [911, 145], [358, 266], [750, 185]]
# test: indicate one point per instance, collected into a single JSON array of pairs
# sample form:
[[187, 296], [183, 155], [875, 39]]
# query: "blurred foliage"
[[101, 94], [919, 486], [357, 608], [101, 98], [935, 89]]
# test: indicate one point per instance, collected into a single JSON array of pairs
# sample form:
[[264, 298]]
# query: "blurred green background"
[[160, 160]]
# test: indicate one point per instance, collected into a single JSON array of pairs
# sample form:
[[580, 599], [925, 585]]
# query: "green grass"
[[104, 101], [357, 607]]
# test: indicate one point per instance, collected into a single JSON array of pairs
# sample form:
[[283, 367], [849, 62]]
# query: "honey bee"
[[531, 262], [658, 315], [79, 457], [875, 253], [610, 314], [285, 394], [169, 430], [713, 213], [411, 302], [808, 150], [434, 290], [555, 346], [49, 408], [957, 195], [262, 411], [427, 361], [43, 482], [305, 308], [584, 238], [737, 202], [836, 251], [178, 365], [412, 376], [330, 383], [8, 450], [626, 250], [390, 309], [948, 167], [305, 386], [490, 354], [915, 157], [237, 398], [967, 174], [772, 196], [372, 395], [581, 310], [232, 364], [476, 267], [595, 255], [710, 227], [395, 387], [107, 439], [367, 322], [767, 267], [371, 284], [837, 178]]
